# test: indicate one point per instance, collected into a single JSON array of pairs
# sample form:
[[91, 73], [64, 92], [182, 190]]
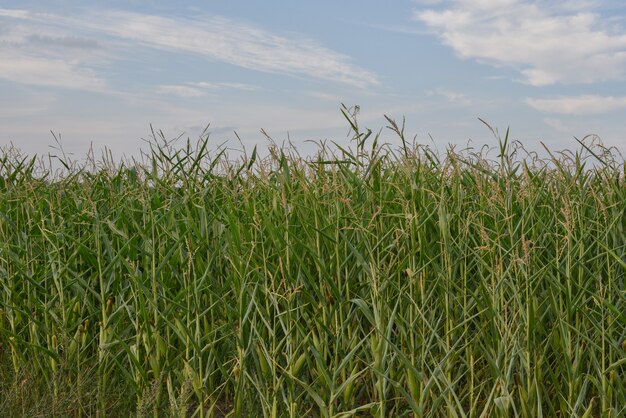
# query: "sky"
[[100, 74]]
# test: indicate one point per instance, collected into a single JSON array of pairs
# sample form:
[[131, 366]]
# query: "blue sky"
[[100, 72]]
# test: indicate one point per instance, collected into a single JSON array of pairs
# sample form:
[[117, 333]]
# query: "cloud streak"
[[35, 53], [236, 43], [547, 45], [71, 42], [216, 38], [452, 96], [578, 105], [49, 72], [201, 89]]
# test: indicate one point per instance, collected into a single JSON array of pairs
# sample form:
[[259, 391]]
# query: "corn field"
[[363, 281]]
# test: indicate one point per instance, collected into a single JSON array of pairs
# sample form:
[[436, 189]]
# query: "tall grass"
[[364, 281]]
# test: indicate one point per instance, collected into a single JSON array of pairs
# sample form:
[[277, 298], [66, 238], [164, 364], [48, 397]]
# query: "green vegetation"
[[363, 281]]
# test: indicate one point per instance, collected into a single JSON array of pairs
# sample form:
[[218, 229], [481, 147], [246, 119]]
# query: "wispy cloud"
[[451, 96], [236, 43], [49, 72], [225, 85], [201, 88], [42, 55], [328, 97], [71, 42], [548, 44], [15, 13], [180, 90], [557, 124], [578, 105], [217, 38]]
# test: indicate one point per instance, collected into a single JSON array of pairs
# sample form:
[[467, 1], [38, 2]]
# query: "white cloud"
[[225, 85], [36, 54], [49, 72], [180, 90], [237, 43], [15, 13], [557, 124], [328, 97], [63, 42], [452, 96], [548, 44], [427, 2], [216, 38], [578, 105], [201, 88]]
